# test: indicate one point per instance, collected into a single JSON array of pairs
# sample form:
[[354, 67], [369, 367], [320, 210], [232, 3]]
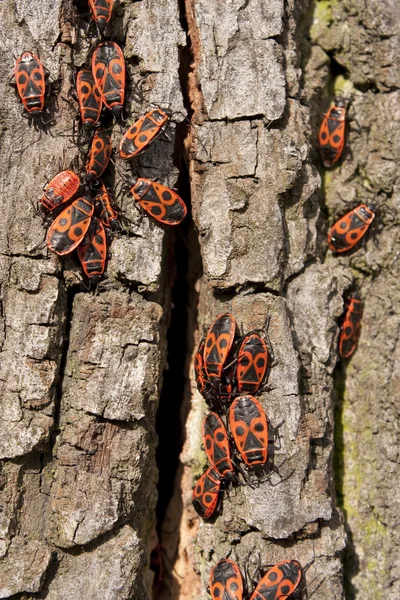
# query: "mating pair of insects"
[[228, 364], [280, 582], [249, 428]]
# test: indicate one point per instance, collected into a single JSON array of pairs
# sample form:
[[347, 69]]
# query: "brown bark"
[[81, 373]]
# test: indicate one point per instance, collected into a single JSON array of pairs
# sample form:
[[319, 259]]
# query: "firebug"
[[249, 427], [218, 343], [332, 132], [69, 228], [160, 202], [30, 80], [108, 68], [99, 154], [207, 493], [216, 445], [351, 326], [60, 189], [107, 213], [89, 98], [226, 582], [92, 251], [146, 129], [350, 228], [101, 12], [280, 582], [252, 360]]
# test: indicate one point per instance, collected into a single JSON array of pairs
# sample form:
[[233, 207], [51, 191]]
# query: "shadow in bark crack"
[[175, 401], [351, 560]]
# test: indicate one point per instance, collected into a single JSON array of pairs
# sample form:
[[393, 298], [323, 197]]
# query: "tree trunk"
[[81, 374]]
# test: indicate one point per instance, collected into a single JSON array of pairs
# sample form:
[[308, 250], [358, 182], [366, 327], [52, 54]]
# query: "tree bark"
[[81, 373]]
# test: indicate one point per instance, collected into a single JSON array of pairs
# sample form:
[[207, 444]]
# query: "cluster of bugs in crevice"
[[230, 370], [86, 223]]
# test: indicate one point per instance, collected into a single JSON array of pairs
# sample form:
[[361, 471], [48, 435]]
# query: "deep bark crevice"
[[70, 296], [175, 395]]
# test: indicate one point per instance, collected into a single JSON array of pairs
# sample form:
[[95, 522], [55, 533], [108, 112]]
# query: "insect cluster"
[[230, 371], [84, 225], [350, 229], [279, 582]]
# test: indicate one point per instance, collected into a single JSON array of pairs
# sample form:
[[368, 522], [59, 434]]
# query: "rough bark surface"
[[256, 202], [81, 373], [364, 40]]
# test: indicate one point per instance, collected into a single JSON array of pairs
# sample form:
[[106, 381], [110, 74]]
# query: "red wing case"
[[143, 132], [349, 230], [226, 582], [160, 202], [279, 582], [31, 83], [249, 427], [69, 228]]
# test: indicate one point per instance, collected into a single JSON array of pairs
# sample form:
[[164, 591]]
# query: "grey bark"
[[80, 374], [256, 198]]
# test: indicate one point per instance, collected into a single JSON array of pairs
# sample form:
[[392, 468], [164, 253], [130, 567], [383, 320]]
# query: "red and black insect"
[[99, 154], [351, 327], [69, 228], [216, 445], [212, 396], [107, 213], [162, 203], [143, 132], [252, 360], [249, 427], [207, 493], [199, 370], [350, 228], [30, 80], [218, 343], [101, 12], [332, 132], [89, 98], [280, 582], [92, 251], [60, 189], [108, 68], [226, 582]]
